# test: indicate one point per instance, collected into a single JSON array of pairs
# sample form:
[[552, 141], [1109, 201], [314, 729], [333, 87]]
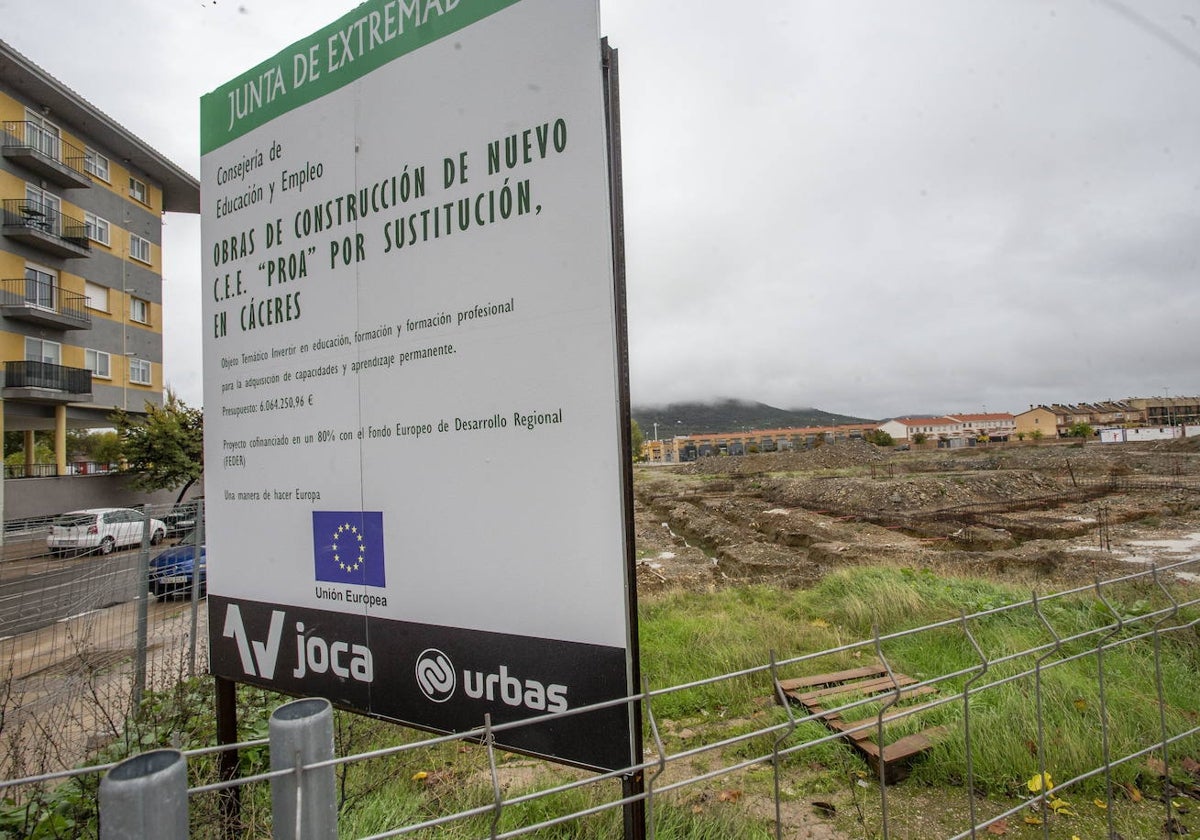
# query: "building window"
[[139, 310], [97, 228], [97, 296], [39, 350], [95, 163], [42, 135], [137, 190], [41, 208], [139, 248], [41, 287], [98, 362], [139, 371]]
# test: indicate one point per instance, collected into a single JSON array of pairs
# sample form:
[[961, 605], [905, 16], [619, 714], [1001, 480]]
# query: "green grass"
[[686, 636], [691, 636]]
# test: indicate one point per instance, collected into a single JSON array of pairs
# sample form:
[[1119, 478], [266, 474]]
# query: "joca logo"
[[313, 653], [435, 675]]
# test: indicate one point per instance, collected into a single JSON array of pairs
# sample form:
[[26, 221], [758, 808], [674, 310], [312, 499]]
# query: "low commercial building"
[[1140, 433]]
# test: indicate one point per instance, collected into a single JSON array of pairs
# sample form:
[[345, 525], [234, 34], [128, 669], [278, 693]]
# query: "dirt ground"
[[1054, 513], [1050, 516]]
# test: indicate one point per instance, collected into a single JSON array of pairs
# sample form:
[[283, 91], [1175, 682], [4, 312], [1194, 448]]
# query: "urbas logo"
[[312, 654], [435, 675], [437, 681]]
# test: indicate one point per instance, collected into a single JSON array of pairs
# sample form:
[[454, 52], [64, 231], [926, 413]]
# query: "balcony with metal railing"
[[46, 383], [44, 152], [50, 470], [44, 303], [42, 226]]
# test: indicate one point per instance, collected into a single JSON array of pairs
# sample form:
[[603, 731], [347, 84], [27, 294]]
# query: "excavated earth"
[[1055, 513]]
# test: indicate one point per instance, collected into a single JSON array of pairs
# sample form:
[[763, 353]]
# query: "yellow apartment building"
[[81, 315]]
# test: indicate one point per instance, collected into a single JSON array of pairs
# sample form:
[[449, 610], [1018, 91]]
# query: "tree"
[[920, 437], [43, 444], [1080, 430], [104, 447], [164, 449], [1037, 434], [99, 446], [879, 437], [636, 440], [43, 452]]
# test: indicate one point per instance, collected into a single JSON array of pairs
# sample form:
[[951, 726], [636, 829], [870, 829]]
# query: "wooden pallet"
[[817, 692]]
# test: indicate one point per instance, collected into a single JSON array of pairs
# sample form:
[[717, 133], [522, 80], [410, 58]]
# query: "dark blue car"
[[171, 571]]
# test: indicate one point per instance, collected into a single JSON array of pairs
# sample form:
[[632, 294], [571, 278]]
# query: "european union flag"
[[348, 546]]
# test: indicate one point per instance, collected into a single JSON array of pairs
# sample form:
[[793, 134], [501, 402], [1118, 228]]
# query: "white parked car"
[[101, 529]]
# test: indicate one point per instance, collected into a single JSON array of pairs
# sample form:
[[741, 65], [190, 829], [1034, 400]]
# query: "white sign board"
[[413, 456]]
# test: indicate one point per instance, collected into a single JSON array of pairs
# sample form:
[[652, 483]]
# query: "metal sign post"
[[634, 783]]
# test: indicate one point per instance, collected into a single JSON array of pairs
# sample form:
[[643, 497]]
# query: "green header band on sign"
[[357, 43]]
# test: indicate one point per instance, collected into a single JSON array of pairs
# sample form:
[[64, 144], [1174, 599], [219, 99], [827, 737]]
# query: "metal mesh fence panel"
[[866, 712], [73, 663]]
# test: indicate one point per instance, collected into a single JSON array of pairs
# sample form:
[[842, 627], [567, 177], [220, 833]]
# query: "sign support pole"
[[227, 763], [633, 784]]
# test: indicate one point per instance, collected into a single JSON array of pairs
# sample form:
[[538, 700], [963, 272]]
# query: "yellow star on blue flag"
[[348, 546]]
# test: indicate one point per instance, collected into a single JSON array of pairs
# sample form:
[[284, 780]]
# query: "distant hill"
[[696, 418]]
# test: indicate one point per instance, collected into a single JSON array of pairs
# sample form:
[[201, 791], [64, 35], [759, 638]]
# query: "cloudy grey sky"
[[873, 207]]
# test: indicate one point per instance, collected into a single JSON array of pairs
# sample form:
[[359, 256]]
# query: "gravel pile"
[[912, 492]]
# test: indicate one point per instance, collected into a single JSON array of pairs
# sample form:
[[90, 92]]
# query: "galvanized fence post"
[[142, 600], [145, 798], [197, 562], [1043, 779], [776, 767], [303, 803]]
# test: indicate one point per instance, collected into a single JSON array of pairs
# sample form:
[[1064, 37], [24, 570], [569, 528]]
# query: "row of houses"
[[951, 427], [1129, 413], [1050, 421], [1155, 417], [690, 447]]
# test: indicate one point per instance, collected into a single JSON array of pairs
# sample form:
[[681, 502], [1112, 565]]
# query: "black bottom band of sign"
[[440, 678]]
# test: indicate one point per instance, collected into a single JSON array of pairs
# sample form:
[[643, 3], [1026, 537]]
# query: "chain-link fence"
[[96, 607], [1092, 702]]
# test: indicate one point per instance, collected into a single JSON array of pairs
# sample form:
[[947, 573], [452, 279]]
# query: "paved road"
[[35, 592]]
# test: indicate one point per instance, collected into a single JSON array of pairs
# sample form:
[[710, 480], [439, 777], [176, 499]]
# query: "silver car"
[[101, 529]]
